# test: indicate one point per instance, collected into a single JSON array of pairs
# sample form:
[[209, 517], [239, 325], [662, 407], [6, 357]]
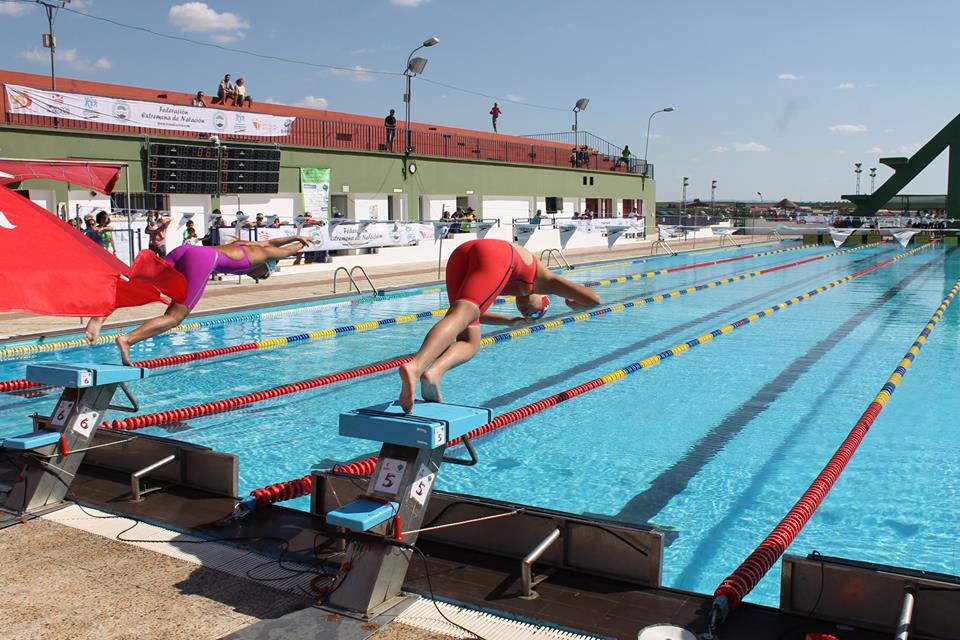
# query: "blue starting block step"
[[431, 425], [362, 514], [30, 441], [82, 375]]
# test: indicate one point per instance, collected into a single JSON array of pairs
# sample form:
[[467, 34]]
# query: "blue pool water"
[[717, 443]]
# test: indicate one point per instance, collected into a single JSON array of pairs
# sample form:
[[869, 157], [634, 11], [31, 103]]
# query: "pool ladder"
[[551, 253], [353, 283]]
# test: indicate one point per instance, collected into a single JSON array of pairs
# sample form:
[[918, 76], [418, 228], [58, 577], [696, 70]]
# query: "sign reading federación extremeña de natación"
[[135, 113]]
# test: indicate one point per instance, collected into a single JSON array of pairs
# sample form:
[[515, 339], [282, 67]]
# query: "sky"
[[770, 97]]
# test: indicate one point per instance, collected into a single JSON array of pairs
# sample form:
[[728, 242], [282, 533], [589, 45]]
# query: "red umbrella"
[[48, 267]]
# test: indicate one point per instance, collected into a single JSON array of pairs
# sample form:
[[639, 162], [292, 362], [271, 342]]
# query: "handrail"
[[561, 259], [349, 275], [527, 580], [136, 475], [364, 272]]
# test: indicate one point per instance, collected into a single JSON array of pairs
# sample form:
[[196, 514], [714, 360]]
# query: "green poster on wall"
[[315, 187]]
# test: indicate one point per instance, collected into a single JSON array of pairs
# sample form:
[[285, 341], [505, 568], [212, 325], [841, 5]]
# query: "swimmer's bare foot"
[[92, 332], [408, 379], [430, 387], [124, 345]]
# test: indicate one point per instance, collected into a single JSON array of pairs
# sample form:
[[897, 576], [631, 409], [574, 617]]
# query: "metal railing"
[[357, 136], [597, 148]]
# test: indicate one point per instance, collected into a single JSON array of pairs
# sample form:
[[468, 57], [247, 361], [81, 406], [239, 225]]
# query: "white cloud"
[[197, 17], [313, 102], [750, 146], [653, 136], [514, 98], [67, 57], [408, 3], [271, 101], [845, 85], [357, 73], [874, 151], [906, 149], [15, 9], [789, 76], [720, 149], [849, 128]]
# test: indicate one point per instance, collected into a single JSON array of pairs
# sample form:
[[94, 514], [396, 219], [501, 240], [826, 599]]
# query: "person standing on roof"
[[495, 113], [390, 124]]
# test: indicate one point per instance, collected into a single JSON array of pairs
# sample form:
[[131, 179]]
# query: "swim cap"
[[271, 267], [536, 315]]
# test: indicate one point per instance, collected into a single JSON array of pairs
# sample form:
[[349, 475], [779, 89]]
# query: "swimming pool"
[[717, 443]]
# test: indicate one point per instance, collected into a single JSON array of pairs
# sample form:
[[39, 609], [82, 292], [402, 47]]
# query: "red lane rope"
[[745, 577], [281, 491]]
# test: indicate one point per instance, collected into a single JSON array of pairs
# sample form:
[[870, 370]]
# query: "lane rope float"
[[730, 593], [163, 417]]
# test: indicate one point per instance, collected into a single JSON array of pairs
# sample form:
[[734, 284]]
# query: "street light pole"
[[857, 170], [414, 66], [49, 38], [577, 108], [646, 146], [873, 178], [713, 193]]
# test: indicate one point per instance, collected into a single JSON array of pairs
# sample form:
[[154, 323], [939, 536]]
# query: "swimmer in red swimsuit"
[[477, 272], [255, 259]]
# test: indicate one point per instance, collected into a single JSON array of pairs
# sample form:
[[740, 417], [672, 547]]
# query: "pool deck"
[[303, 282], [167, 598]]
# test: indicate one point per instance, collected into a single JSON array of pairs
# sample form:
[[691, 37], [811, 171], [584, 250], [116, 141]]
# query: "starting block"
[[58, 442], [397, 495]]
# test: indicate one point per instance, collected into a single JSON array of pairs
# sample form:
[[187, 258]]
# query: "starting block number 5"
[[391, 476]]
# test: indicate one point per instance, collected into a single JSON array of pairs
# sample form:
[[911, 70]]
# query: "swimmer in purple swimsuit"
[[255, 259]]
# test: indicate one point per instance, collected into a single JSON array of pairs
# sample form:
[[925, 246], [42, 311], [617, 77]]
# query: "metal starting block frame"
[[397, 495], [49, 457]]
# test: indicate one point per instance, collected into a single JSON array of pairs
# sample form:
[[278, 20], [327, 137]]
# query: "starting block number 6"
[[60, 414], [84, 423]]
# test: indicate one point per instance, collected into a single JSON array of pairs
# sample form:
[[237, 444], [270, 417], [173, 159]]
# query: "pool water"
[[717, 443]]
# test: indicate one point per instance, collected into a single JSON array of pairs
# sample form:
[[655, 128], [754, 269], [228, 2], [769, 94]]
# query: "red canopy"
[[48, 267], [92, 175]]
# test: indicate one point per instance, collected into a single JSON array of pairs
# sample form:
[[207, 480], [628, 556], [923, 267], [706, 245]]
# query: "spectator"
[[308, 220], [259, 221], [583, 156], [240, 93], [276, 223], [188, 229], [576, 215], [226, 91], [198, 100], [624, 158], [157, 231], [90, 230], [337, 214], [445, 216], [495, 113], [390, 123], [75, 223], [537, 217], [574, 158], [469, 215], [190, 237], [106, 231]]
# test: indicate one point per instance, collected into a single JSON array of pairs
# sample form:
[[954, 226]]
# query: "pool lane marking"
[[693, 252], [103, 339], [364, 467], [163, 417], [164, 361], [745, 577], [674, 479]]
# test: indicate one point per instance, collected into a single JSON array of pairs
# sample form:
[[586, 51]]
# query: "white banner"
[[483, 228], [344, 235], [840, 235], [566, 232], [903, 236], [135, 113]]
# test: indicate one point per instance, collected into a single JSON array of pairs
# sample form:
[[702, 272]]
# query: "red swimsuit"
[[480, 270]]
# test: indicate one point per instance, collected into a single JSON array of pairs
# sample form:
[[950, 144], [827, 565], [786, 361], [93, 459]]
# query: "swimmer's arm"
[[576, 296], [496, 318], [280, 242]]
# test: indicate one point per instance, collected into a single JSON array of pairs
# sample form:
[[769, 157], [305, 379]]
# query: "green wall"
[[365, 173]]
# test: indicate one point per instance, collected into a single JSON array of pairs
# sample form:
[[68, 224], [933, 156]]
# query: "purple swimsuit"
[[198, 263]]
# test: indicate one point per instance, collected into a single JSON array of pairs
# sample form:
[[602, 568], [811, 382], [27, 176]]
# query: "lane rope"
[[744, 578], [163, 417]]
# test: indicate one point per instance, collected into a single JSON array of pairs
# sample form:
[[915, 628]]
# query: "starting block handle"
[[466, 463]]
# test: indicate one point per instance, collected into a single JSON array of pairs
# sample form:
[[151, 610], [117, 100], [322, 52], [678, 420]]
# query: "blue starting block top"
[[362, 514], [431, 425], [81, 375], [29, 441]]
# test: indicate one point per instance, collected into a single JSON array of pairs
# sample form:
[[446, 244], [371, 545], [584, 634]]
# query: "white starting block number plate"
[[421, 486], [86, 378], [59, 417], [391, 476], [84, 423]]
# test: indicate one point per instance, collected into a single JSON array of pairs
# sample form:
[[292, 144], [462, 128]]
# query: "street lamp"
[[49, 39], [683, 199], [713, 193], [873, 178], [415, 66], [577, 108], [646, 147], [857, 170]]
